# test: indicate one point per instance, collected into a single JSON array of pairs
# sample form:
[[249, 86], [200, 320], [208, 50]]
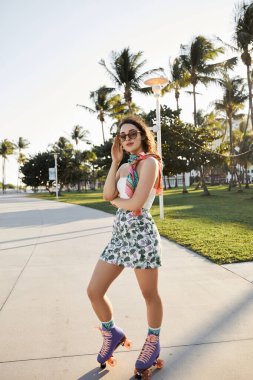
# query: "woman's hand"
[[117, 150], [114, 201]]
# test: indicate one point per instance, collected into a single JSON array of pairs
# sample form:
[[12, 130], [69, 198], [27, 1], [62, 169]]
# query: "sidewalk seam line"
[[237, 274], [123, 351]]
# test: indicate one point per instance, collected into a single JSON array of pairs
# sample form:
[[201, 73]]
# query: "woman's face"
[[130, 138]]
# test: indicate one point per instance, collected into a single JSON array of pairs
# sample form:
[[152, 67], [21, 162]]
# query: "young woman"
[[135, 241]]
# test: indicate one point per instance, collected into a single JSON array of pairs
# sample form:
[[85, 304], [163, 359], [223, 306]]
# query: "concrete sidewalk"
[[47, 326]]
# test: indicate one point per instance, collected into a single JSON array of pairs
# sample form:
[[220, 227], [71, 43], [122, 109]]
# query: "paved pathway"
[[47, 327]]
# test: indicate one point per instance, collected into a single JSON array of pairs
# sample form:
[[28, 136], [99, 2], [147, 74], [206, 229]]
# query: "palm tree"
[[119, 110], [20, 146], [232, 102], [64, 148], [210, 126], [79, 134], [243, 37], [126, 73], [245, 149], [179, 79], [103, 104], [63, 144], [6, 149], [195, 62]]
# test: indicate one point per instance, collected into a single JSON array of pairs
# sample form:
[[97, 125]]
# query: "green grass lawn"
[[219, 227]]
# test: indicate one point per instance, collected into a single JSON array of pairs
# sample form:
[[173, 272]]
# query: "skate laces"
[[148, 348], [107, 336]]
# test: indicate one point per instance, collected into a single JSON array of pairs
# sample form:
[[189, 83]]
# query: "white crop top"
[[121, 186]]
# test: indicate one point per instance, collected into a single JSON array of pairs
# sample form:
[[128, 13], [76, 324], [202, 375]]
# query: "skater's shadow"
[[96, 373], [154, 372]]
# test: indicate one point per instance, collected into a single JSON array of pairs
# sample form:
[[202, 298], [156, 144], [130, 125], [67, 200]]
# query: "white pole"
[[56, 175], [157, 84], [159, 148]]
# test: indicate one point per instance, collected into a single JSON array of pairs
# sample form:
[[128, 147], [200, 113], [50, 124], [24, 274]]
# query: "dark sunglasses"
[[131, 135]]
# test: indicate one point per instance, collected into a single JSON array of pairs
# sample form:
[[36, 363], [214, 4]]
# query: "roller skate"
[[112, 339], [148, 358]]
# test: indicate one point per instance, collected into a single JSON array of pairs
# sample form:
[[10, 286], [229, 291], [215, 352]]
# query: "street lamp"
[[157, 85], [56, 174]]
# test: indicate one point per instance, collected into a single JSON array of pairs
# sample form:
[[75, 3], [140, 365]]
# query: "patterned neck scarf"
[[133, 179]]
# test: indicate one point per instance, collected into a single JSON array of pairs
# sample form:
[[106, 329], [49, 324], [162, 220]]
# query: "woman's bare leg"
[[104, 274], [148, 282]]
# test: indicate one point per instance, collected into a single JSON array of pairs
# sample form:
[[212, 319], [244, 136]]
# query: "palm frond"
[[6, 148], [191, 93], [229, 64], [227, 45], [135, 59], [207, 80], [22, 144], [86, 108], [168, 88], [243, 18], [158, 71], [103, 90], [144, 90], [111, 74], [238, 116]]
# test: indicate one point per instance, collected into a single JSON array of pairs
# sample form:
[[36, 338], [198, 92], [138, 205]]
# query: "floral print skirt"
[[135, 241]]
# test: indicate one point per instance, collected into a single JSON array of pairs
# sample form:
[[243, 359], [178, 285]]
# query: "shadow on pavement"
[[52, 241], [62, 215], [208, 334], [95, 373], [55, 235]]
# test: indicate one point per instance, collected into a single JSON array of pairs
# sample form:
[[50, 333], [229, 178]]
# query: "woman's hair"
[[148, 141]]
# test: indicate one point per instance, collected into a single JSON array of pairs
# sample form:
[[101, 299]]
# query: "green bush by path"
[[219, 227]]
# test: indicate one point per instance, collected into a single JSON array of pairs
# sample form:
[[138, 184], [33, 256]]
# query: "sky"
[[50, 51]]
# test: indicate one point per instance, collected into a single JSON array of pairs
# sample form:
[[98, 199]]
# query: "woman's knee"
[[89, 292], [93, 293], [150, 295]]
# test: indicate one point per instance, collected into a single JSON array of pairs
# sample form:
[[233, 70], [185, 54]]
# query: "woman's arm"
[[110, 189], [147, 178]]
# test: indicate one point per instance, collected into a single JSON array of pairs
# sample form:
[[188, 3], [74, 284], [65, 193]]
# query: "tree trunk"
[[18, 178], [247, 178], [198, 184], [176, 184], [247, 124], [242, 172], [230, 134], [195, 106], [239, 182], [231, 181], [3, 172], [102, 123], [205, 189], [128, 98], [185, 191], [250, 94], [60, 190], [231, 169], [177, 98], [212, 177]]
